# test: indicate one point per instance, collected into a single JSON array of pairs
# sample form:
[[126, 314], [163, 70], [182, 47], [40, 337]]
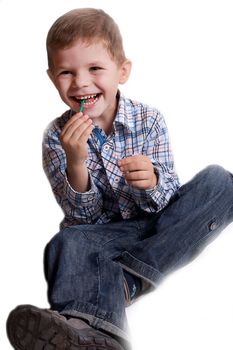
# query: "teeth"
[[86, 97], [89, 99]]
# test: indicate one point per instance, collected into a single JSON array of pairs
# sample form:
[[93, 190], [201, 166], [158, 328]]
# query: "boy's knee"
[[68, 237], [72, 241], [216, 175], [217, 171]]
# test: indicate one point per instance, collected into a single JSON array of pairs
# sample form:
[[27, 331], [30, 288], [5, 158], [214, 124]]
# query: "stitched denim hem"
[[98, 323], [139, 268]]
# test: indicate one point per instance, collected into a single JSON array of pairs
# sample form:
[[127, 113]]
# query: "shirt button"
[[106, 147], [117, 179]]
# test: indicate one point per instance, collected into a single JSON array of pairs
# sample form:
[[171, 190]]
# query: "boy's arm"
[[80, 201], [151, 175]]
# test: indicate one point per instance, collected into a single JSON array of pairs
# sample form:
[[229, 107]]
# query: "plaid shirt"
[[137, 129]]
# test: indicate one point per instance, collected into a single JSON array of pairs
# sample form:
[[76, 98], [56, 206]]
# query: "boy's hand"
[[138, 172], [74, 138]]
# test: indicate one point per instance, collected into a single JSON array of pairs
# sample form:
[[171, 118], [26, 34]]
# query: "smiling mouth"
[[88, 99]]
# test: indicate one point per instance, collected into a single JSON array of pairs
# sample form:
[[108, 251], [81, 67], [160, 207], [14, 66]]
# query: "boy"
[[127, 221]]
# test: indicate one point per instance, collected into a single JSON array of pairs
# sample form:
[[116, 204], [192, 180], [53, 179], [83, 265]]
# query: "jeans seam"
[[137, 266], [99, 282]]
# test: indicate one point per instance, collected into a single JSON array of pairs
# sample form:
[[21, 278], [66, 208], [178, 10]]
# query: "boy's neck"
[[105, 125]]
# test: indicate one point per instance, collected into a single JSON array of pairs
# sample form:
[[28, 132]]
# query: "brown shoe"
[[31, 328]]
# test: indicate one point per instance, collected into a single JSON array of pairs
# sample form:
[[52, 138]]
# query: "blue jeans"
[[84, 264]]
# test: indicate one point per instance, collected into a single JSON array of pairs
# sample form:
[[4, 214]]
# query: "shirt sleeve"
[[79, 208], [157, 147]]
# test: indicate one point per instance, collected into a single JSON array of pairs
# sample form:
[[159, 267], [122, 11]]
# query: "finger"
[[86, 134], [71, 124], [136, 159], [86, 131], [141, 184], [76, 125], [133, 157], [78, 116], [126, 160], [137, 175], [76, 132], [71, 121], [137, 165]]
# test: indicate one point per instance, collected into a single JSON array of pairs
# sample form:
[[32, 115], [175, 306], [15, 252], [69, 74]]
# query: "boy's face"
[[89, 72]]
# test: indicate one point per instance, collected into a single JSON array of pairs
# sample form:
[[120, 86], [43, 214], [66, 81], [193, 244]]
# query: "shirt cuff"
[[81, 198], [156, 198], [163, 191], [157, 194]]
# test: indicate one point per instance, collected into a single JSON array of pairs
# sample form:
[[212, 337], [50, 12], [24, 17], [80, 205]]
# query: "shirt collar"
[[125, 115]]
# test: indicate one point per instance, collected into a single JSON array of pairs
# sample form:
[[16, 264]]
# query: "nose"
[[81, 79]]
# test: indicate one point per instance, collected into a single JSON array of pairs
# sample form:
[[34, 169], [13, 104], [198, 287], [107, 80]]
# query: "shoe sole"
[[30, 328]]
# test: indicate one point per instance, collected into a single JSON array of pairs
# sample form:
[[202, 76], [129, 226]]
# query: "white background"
[[182, 64]]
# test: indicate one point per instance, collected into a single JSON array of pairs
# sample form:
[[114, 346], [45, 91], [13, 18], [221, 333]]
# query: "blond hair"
[[88, 25]]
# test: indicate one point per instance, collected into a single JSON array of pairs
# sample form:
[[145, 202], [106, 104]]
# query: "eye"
[[95, 68], [65, 72]]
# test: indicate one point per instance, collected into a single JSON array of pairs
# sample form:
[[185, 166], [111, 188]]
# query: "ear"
[[51, 76], [125, 70]]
